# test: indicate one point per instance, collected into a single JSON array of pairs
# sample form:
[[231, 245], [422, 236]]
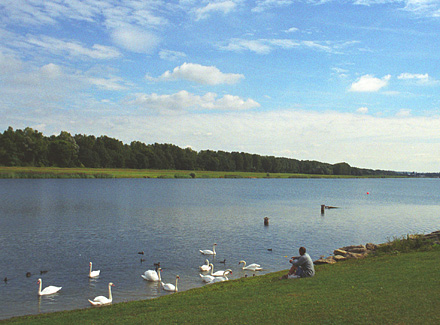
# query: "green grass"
[[55, 172], [386, 289]]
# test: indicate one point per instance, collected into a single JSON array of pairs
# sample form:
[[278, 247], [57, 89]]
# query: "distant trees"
[[29, 147]]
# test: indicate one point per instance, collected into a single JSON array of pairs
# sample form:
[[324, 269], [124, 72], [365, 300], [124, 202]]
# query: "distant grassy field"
[[54, 172], [387, 289]]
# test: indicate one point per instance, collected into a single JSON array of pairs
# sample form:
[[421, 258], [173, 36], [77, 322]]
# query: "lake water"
[[59, 226]]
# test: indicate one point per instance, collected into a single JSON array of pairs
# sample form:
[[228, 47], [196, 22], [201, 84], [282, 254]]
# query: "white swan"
[[251, 267], [152, 275], [93, 274], [101, 300], [205, 267], [208, 252], [170, 286], [217, 273], [207, 277], [221, 278], [48, 290]]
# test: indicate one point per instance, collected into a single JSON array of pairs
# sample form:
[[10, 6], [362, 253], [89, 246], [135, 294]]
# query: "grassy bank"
[[391, 288], [54, 172]]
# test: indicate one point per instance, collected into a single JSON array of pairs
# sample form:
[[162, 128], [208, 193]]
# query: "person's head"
[[302, 251]]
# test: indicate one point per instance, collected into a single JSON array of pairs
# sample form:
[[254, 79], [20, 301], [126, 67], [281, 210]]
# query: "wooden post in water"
[[322, 208], [266, 221]]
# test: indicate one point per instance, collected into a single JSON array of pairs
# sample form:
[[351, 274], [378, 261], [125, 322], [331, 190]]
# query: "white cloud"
[[224, 7], [111, 13], [404, 113], [291, 30], [368, 83], [76, 49], [340, 72], [413, 76], [51, 71], [362, 110], [113, 83], [9, 64], [27, 88], [422, 8], [315, 45], [169, 55], [185, 101], [201, 74], [265, 46], [135, 39], [129, 22], [257, 46], [430, 8], [263, 5], [420, 79], [232, 103]]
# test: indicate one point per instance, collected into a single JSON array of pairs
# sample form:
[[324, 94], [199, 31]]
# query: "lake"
[[59, 226]]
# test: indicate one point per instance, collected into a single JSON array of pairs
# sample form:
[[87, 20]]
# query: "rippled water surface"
[[59, 226]]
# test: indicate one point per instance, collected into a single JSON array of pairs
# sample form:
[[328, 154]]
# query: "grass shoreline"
[[56, 172], [385, 288]]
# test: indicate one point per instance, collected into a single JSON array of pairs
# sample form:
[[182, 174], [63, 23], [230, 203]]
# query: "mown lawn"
[[388, 289]]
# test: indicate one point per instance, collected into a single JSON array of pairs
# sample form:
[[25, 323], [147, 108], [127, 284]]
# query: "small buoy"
[[266, 221], [28, 274], [368, 193]]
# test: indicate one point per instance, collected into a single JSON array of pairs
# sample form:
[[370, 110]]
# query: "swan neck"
[[39, 288], [212, 268], [158, 274], [110, 292], [177, 279]]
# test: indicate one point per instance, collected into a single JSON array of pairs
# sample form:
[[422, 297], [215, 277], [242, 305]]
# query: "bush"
[[406, 244]]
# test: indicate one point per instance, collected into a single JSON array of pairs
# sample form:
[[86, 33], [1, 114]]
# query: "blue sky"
[[333, 81]]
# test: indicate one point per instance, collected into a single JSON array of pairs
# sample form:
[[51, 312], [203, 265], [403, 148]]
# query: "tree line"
[[30, 147]]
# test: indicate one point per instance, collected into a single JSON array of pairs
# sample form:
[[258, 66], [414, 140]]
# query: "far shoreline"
[[90, 173]]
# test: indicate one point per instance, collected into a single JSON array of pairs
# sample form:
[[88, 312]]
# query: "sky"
[[331, 80]]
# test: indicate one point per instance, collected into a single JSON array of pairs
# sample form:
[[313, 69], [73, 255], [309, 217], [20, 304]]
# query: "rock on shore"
[[360, 251]]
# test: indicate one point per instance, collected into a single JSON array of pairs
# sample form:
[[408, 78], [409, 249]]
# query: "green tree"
[[341, 169], [87, 155], [63, 151], [8, 149]]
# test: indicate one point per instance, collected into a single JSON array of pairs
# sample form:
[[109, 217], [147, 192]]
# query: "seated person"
[[302, 266]]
